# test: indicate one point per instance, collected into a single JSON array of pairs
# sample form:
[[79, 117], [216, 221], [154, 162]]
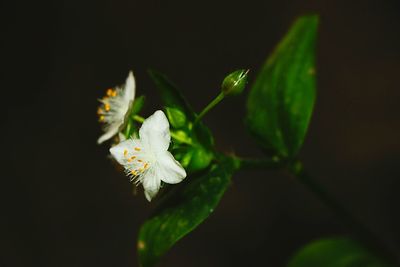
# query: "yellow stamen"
[[146, 165], [101, 118], [110, 92], [137, 148], [107, 107], [139, 160], [134, 172], [114, 93], [125, 152], [131, 159], [99, 111]]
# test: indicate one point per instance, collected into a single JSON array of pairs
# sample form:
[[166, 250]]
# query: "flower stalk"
[[361, 231], [260, 163], [210, 106]]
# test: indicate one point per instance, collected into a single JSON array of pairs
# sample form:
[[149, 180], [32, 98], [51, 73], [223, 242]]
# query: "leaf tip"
[[310, 21], [313, 18], [152, 72]]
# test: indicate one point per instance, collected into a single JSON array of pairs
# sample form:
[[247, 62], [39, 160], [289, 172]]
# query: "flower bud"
[[234, 83]]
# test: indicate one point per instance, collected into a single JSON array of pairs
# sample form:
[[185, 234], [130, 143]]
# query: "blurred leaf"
[[183, 211], [137, 106], [204, 136], [335, 252], [172, 98], [281, 101], [184, 157], [176, 117], [193, 159], [200, 159], [129, 129]]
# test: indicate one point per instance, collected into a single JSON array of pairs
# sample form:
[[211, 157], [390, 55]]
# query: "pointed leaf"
[[172, 98], [183, 212], [170, 95], [281, 100], [335, 252], [137, 105], [176, 117]]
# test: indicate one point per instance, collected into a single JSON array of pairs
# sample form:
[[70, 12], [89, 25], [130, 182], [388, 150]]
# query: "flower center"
[[105, 108], [137, 161]]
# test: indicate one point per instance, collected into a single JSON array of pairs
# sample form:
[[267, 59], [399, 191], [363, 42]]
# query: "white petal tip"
[[113, 150], [113, 130], [159, 113], [131, 78], [130, 87], [149, 196], [101, 140]]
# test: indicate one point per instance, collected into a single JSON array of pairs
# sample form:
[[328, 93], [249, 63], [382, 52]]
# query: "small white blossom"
[[147, 160], [115, 108]]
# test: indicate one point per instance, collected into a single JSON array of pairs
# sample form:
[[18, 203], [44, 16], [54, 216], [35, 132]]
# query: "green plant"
[[279, 109]]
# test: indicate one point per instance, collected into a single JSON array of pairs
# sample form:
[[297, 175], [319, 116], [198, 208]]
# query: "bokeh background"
[[63, 203]]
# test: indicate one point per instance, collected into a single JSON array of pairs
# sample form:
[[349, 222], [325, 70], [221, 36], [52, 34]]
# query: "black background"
[[63, 203]]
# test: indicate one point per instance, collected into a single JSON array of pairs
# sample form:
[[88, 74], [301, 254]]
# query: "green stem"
[[128, 128], [260, 163], [181, 139], [174, 135], [362, 232], [138, 118], [212, 104]]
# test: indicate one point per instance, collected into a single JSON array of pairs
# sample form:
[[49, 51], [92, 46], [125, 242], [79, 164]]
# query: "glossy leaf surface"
[[281, 100], [335, 252], [183, 211]]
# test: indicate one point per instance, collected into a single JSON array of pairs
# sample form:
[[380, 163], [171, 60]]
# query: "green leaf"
[[281, 100], [130, 127], [170, 95], [200, 158], [176, 117], [183, 211], [335, 252], [193, 159], [172, 98], [137, 106]]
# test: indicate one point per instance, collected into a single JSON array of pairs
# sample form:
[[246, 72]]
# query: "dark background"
[[63, 203]]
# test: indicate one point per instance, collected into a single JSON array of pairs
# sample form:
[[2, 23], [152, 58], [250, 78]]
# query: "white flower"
[[147, 160], [115, 108]]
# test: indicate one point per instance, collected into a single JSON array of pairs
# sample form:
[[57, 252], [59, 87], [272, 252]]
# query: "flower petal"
[[170, 170], [151, 185], [154, 132], [111, 131], [120, 151], [121, 137], [130, 88]]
